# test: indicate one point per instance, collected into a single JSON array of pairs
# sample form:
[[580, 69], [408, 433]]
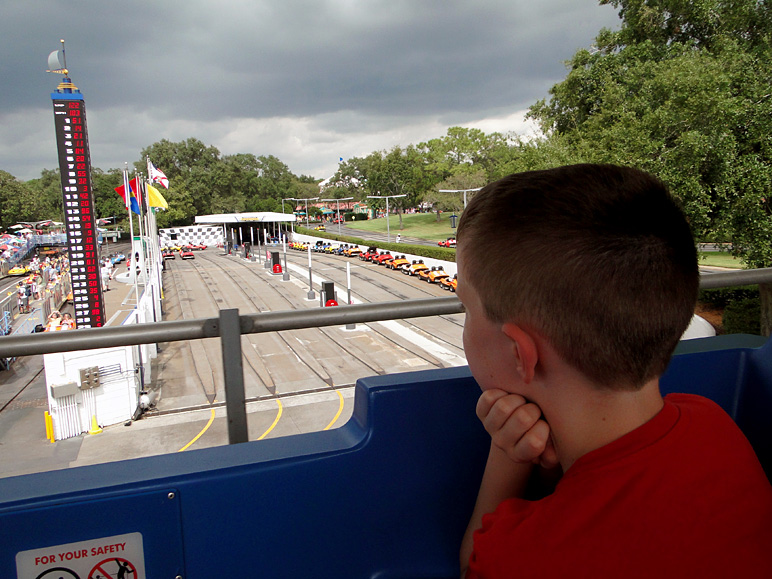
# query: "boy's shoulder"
[[668, 482], [689, 434]]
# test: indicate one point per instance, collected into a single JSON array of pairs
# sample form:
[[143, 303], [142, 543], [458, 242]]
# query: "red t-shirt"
[[682, 496]]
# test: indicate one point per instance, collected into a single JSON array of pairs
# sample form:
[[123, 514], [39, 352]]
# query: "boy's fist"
[[516, 427]]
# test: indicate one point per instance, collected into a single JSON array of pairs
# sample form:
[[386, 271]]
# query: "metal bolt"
[[171, 496]]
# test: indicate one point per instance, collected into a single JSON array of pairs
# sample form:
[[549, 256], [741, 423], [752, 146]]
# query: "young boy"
[[568, 345]]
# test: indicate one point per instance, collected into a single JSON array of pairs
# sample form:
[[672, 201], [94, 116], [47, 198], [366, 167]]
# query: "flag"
[[133, 203], [156, 175], [155, 199]]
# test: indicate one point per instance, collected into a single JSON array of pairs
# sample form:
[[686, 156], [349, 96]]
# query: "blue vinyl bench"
[[387, 495]]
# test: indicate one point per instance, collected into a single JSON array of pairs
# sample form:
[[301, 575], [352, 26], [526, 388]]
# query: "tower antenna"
[[64, 56], [58, 65]]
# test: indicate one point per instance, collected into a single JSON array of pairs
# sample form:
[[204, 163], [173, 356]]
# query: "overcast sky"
[[308, 81]]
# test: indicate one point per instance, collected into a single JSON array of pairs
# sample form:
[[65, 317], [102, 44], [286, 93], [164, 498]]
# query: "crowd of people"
[[44, 275], [10, 245]]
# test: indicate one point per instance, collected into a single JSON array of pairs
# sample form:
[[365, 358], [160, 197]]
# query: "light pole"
[[307, 200], [387, 197], [292, 223], [337, 201], [297, 199], [464, 191]]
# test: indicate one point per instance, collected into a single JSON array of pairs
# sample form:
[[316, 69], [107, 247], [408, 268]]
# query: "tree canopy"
[[682, 90]]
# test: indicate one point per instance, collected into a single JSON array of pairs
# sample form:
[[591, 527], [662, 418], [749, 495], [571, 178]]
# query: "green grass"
[[425, 226], [719, 259], [421, 225]]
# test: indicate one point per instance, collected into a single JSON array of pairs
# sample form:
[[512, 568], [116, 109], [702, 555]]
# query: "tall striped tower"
[[78, 198]]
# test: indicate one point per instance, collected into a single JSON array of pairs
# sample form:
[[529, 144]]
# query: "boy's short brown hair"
[[598, 258]]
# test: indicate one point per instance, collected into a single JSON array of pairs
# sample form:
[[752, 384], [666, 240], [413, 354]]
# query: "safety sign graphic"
[[117, 568], [116, 557]]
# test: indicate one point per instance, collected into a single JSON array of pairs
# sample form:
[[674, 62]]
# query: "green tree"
[[681, 90], [204, 182], [47, 191], [106, 199], [398, 172], [15, 198], [463, 150], [179, 159], [442, 200], [191, 167], [275, 178], [349, 180], [182, 208]]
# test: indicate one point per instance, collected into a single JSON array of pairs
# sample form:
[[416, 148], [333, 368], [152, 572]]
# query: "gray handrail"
[[738, 277], [45, 342], [230, 325], [133, 334]]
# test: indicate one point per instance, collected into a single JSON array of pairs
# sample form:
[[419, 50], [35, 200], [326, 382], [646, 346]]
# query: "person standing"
[[23, 300], [105, 273]]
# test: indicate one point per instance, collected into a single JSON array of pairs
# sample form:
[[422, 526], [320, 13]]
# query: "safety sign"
[[116, 557]]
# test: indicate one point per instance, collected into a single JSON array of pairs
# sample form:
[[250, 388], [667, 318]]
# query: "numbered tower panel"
[[79, 215]]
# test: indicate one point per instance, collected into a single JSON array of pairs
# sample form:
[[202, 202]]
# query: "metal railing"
[[738, 277], [230, 325]]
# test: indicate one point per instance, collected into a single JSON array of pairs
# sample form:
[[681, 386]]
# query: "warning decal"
[[113, 569], [117, 557]]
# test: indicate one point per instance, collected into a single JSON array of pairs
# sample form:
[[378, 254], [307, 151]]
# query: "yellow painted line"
[[340, 409], [275, 422], [208, 424]]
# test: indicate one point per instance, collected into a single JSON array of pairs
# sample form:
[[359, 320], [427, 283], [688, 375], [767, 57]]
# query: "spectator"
[[22, 298], [67, 322], [54, 322], [105, 273]]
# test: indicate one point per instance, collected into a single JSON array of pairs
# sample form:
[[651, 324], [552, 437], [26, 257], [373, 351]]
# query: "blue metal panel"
[[156, 515], [66, 96], [387, 495]]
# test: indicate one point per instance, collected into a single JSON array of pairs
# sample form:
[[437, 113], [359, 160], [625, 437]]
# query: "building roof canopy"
[[253, 217]]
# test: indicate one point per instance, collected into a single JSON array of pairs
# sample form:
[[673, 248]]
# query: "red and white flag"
[[156, 175]]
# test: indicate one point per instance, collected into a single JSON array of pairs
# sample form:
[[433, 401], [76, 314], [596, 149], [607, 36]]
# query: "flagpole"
[[127, 199], [153, 175], [153, 251], [133, 257], [140, 218], [145, 217]]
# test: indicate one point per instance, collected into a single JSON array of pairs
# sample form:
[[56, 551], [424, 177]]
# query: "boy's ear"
[[523, 349]]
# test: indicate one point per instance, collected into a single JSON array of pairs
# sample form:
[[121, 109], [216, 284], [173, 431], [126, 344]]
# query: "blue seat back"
[[387, 495]]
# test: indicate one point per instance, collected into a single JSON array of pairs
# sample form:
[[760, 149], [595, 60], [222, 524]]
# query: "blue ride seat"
[[735, 371], [387, 495]]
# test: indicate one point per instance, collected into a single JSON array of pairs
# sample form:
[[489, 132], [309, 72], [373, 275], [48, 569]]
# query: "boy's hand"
[[516, 427]]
